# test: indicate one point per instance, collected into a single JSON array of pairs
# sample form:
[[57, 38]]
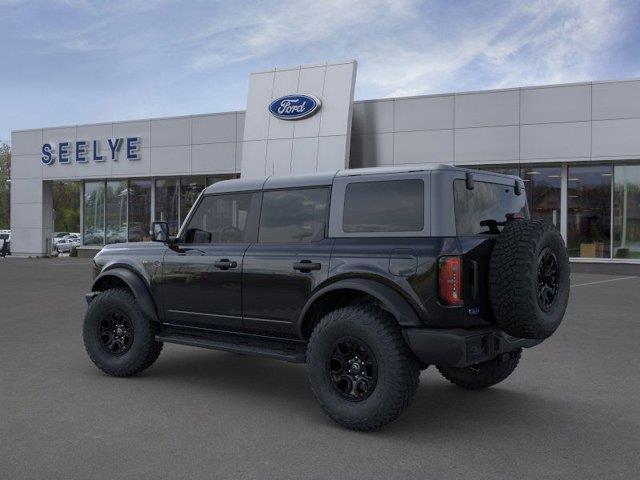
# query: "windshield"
[[484, 209]]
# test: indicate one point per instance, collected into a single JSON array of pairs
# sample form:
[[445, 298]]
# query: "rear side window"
[[484, 208], [386, 206], [294, 216]]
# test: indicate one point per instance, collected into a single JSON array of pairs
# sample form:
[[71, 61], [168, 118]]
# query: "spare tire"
[[529, 279]]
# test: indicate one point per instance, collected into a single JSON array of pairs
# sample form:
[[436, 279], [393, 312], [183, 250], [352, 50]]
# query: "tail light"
[[450, 280]]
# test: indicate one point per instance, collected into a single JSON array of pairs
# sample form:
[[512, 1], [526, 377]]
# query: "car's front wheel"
[[360, 369], [119, 339]]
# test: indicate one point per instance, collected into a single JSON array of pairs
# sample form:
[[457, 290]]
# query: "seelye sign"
[[294, 107], [82, 151]]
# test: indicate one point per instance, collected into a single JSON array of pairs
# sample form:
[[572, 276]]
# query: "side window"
[[384, 206], [225, 218], [293, 216]]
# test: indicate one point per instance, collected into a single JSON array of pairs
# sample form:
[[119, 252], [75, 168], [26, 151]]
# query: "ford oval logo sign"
[[294, 107]]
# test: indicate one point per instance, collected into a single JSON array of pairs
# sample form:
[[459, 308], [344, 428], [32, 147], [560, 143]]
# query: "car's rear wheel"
[[360, 369], [483, 375], [119, 339]]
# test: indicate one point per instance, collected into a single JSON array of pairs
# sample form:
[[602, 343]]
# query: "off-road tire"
[[144, 349], [398, 371], [483, 375], [514, 279]]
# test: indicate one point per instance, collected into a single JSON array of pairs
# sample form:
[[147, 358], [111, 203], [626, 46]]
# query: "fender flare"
[[392, 301], [137, 286]]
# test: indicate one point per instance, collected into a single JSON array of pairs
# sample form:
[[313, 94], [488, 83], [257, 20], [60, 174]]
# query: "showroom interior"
[[575, 145]]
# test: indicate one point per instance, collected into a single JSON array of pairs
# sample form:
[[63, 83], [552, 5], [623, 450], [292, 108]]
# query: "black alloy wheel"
[[353, 369], [547, 279], [116, 333]]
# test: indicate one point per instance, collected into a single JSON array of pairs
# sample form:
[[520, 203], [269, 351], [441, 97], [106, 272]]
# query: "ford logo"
[[294, 107]]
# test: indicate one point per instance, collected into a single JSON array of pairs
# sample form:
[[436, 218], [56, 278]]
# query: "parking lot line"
[[603, 281]]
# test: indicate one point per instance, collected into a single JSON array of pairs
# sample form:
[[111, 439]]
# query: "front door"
[[289, 260], [202, 271]]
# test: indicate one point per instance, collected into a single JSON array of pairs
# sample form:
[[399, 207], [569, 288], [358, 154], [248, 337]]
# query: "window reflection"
[[139, 210], [116, 211], [167, 195], [93, 214], [542, 185], [626, 211], [190, 188], [589, 211]]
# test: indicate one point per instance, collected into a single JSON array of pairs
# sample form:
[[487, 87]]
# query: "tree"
[[5, 189], [66, 204]]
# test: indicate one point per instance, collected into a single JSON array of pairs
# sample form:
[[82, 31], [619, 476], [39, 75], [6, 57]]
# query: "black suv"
[[366, 275]]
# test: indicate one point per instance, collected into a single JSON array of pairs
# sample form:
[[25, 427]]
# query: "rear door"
[[202, 272], [289, 260]]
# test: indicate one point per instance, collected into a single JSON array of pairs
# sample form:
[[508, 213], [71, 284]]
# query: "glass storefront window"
[[626, 211], [116, 211], [543, 185], [167, 196], [589, 211], [139, 210], [93, 228], [190, 188]]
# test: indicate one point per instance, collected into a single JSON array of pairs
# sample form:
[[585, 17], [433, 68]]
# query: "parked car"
[[367, 275], [57, 236], [65, 245], [5, 242]]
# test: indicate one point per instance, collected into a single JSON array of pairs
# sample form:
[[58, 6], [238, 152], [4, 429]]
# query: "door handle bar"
[[306, 266], [225, 264]]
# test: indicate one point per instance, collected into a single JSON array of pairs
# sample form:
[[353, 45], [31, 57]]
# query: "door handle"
[[225, 264], [306, 266]]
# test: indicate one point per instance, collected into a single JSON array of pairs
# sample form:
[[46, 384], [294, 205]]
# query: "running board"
[[279, 349]]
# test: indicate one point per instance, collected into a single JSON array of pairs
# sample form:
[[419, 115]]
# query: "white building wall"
[[583, 122]]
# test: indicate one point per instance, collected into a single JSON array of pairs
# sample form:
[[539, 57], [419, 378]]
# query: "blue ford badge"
[[294, 107]]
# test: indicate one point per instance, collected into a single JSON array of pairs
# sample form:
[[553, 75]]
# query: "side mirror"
[[160, 232]]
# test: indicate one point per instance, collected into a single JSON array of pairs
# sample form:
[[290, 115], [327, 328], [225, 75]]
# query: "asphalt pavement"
[[570, 410]]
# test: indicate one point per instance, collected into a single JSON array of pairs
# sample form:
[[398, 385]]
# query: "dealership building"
[[577, 147]]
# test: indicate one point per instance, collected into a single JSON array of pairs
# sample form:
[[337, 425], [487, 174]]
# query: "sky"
[[80, 61]]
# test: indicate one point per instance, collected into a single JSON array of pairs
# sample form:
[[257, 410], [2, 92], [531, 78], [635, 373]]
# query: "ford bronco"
[[367, 275]]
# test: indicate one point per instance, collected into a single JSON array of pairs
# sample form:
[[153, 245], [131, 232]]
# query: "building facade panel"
[[372, 117], [556, 104], [487, 145], [613, 100], [555, 140], [429, 146], [375, 150], [616, 138], [487, 109], [170, 132], [213, 128], [170, 160], [311, 82], [423, 113]]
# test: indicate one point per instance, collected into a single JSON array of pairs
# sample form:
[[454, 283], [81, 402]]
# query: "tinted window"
[[486, 202], [294, 215], [224, 219], [391, 206]]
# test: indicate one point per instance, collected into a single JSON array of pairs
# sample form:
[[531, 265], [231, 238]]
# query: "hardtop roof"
[[326, 178]]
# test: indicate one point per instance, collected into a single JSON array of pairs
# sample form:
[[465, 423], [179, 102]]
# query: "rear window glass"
[[484, 208], [389, 206]]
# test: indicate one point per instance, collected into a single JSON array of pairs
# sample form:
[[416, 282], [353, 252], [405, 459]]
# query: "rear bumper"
[[457, 347]]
